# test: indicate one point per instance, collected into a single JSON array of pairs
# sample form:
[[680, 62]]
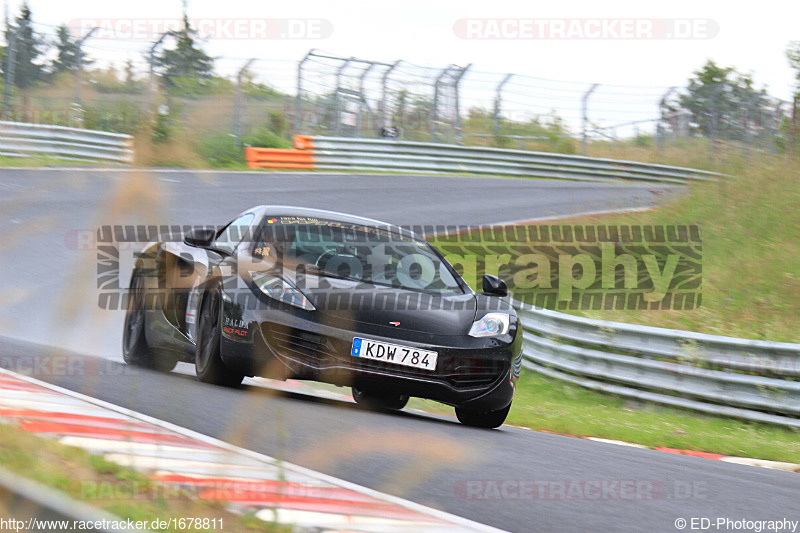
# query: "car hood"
[[395, 309]]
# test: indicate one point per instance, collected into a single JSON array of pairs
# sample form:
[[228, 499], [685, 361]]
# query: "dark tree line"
[[180, 58]]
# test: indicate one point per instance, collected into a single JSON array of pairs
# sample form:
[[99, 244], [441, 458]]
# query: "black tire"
[[379, 402], [208, 364], [135, 350], [490, 420]]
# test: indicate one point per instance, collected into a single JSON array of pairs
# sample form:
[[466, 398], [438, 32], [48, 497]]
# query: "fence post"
[[794, 121], [11, 61], [385, 117], [435, 111], [498, 102], [298, 99], [712, 132], [585, 118], [363, 100], [662, 105], [151, 59], [457, 89], [79, 70], [237, 104], [336, 98], [749, 126], [775, 123]]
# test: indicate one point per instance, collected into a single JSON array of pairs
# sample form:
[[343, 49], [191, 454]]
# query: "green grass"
[[542, 403], [109, 486], [750, 229], [43, 161]]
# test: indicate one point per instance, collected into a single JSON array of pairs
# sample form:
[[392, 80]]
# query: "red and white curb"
[[762, 463], [212, 469]]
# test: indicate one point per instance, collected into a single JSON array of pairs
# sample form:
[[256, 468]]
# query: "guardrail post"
[[237, 104], [498, 102], [298, 99], [585, 118]]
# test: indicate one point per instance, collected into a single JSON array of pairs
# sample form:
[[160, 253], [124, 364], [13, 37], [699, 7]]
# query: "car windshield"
[[371, 254]]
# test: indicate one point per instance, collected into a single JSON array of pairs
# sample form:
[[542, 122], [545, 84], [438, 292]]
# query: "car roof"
[[292, 211]]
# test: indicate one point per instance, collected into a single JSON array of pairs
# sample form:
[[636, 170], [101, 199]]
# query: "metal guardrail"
[[373, 154], [721, 375], [19, 139]]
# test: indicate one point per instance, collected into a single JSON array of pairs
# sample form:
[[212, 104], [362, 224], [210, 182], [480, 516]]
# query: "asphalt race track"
[[50, 281], [509, 478]]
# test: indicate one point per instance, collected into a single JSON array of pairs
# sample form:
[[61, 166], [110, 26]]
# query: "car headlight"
[[279, 289], [491, 325]]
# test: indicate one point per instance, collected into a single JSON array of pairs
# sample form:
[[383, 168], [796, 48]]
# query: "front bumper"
[[479, 373]]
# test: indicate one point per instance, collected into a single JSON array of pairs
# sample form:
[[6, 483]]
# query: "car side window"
[[233, 233]]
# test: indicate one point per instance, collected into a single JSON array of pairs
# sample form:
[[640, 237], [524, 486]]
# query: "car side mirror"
[[199, 237], [494, 286]]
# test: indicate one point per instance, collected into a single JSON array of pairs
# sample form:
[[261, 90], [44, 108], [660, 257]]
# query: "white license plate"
[[394, 353]]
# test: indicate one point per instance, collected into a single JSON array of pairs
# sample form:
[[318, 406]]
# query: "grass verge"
[[43, 161], [750, 229], [121, 491]]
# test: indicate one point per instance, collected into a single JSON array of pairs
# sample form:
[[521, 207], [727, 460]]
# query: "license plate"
[[394, 353]]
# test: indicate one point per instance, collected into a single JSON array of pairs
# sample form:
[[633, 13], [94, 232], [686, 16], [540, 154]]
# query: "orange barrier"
[[303, 142], [279, 158]]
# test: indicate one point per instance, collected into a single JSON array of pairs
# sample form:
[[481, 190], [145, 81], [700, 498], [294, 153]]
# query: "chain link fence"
[[255, 101], [353, 97]]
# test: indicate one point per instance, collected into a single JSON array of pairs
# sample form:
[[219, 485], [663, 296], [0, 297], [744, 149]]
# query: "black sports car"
[[287, 292]]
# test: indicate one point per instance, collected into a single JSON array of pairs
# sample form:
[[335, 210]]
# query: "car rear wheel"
[[135, 350], [208, 364], [379, 401], [490, 420]]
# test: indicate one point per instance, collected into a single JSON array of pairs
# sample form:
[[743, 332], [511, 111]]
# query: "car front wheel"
[[135, 350], [489, 420], [208, 364]]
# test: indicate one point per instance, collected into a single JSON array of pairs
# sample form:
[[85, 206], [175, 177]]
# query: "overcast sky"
[[752, 36]]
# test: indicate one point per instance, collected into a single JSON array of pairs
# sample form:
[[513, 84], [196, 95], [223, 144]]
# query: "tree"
[[722, 101], [186, 60], [130, 74], [69, 56], [28, 48], [793, 54]]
